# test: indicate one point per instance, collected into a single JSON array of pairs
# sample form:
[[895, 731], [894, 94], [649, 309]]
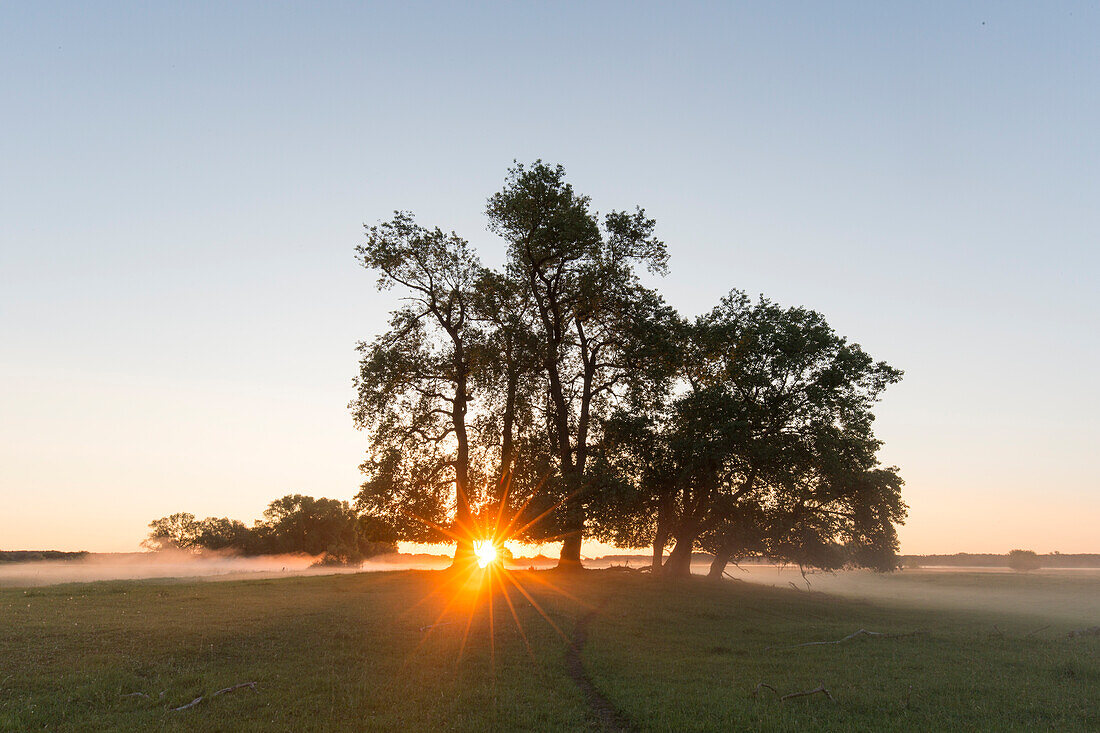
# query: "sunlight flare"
[[486, 552]]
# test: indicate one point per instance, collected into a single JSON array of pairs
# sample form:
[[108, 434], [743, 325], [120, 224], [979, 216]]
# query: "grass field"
[[350, 652]]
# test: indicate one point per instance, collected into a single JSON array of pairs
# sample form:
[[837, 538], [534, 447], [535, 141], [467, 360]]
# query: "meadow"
[[603, 649]]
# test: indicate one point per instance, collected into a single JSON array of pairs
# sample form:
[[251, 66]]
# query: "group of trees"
[[295, 523], [567, 397]]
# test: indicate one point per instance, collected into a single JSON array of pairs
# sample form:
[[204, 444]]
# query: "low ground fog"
[[1066, 595]]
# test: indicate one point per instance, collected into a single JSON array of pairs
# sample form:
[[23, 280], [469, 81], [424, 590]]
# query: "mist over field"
[[1071, 595], [178, 564], [1059, 594]]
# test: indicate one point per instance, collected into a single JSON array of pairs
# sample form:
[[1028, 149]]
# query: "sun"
[[485, 551]]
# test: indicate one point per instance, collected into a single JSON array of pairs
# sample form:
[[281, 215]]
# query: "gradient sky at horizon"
[[182, 185]]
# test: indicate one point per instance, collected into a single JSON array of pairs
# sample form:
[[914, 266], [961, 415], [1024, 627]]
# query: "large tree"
[[779, 418], [174, 532], [414, 385], [764, 446], [326, 527], [579, 276]]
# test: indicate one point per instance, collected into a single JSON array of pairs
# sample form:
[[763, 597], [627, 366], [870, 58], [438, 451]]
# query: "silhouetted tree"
[[581, 281], [765, 448], [414, 385], [326, 527], [176, 531], [779, 417]]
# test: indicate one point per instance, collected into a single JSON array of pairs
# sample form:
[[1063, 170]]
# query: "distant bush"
[[1023, 560]]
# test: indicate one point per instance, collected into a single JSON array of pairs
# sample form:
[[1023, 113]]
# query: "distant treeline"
[[985, 560], [37, 555], [959, 559], [293, 524]]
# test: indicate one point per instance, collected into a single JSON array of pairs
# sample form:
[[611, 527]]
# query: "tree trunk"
[[464, 528], [658, 556], [718, 564], [660, 540], [572, 525], [507, 440], [678, 564], [570, 557]]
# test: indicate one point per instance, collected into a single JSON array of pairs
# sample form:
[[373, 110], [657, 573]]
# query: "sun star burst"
[[486, 552]]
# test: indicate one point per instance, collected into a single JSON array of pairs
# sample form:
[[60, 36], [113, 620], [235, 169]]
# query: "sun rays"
[[479, 578]]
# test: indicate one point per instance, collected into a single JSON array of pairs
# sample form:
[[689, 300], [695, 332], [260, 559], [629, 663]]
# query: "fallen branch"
[[234, 687], [756, 690], [1036, 631], [191, 704], [861, 632], [222, 691], [623, 569], [814, 691], [791, 695]]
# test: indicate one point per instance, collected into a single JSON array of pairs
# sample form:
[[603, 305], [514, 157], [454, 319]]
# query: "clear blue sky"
[[181, 187]]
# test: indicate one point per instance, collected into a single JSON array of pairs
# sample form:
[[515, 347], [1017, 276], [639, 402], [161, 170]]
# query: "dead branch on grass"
[[791, 695], [756, 690], [861, 632], [814, 691], [191, 704], [234, 687], [222, 691]]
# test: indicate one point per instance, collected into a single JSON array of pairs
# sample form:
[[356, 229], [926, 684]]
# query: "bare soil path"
[[609, 717]]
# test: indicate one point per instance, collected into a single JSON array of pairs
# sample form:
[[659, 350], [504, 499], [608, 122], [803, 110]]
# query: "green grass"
[[347, 653]]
